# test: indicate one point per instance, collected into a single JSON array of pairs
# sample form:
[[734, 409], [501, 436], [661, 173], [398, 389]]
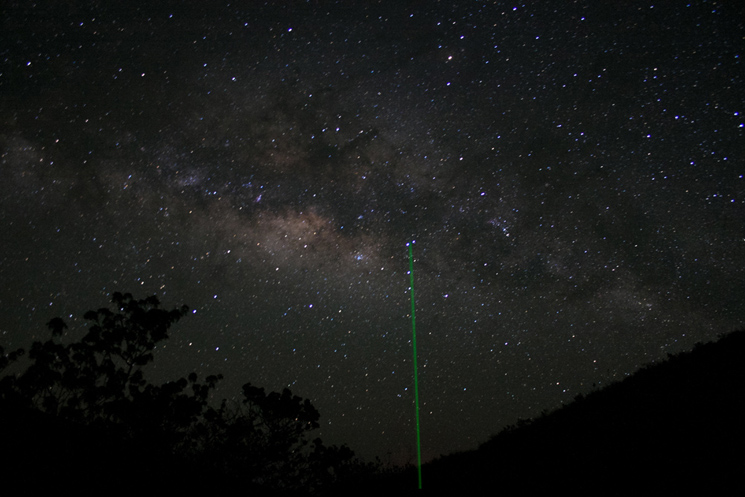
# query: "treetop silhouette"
[[98, 382]]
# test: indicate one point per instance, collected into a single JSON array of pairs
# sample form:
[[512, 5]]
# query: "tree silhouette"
[[98, 384], [93, 380]]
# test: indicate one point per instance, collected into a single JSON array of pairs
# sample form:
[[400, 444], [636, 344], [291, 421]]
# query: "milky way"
[[572, 176]]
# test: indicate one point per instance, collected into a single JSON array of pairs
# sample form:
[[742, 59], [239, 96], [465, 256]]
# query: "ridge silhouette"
[[672, 428]]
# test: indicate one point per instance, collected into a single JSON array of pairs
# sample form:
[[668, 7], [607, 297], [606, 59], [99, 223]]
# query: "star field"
[[572, 175]]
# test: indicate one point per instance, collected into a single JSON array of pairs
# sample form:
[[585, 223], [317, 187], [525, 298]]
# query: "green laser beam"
[[416, 381]]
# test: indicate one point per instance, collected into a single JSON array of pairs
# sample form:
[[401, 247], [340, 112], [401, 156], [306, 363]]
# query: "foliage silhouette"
[[95, 388]]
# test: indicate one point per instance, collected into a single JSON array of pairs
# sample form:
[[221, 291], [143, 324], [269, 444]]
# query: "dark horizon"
[[672, 428]]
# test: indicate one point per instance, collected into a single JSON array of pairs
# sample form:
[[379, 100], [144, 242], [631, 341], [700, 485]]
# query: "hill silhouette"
[[672, 428]]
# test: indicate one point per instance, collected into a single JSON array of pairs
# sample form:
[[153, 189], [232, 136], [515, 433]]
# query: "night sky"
[[572, 173]]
